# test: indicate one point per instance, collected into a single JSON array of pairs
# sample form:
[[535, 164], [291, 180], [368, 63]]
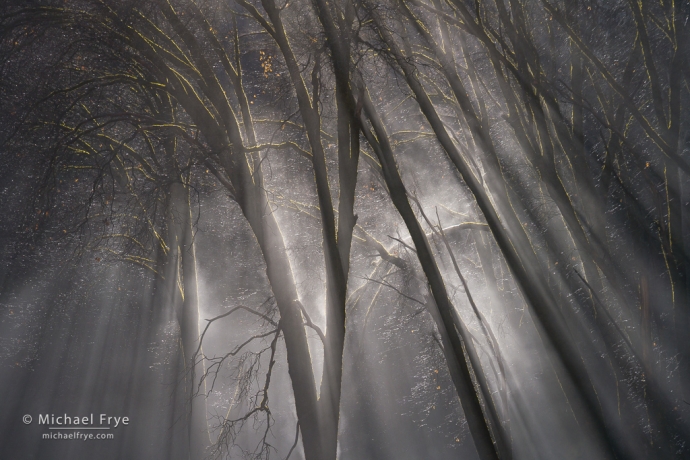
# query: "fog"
[[355, 229]]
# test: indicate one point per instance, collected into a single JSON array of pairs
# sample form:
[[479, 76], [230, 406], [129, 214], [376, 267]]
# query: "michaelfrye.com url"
[[77, 435]]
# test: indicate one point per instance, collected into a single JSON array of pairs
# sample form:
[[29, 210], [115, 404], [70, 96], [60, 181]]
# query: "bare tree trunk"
[[259, 214], [540, 298], [245, 185], [455, 354], [336, 239], [188, 319], [167, 302]]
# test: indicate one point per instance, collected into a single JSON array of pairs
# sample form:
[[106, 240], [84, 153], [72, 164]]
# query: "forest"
[[345, 229]]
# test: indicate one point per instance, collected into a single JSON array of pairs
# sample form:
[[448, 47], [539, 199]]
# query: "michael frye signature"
[[99, 421]]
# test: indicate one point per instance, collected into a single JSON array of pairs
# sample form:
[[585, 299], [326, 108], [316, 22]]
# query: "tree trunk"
[[188, 319], [455, 354], [540, 298], [257, 209]]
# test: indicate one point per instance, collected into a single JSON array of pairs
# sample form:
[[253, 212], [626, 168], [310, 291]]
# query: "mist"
[[361, 229]]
